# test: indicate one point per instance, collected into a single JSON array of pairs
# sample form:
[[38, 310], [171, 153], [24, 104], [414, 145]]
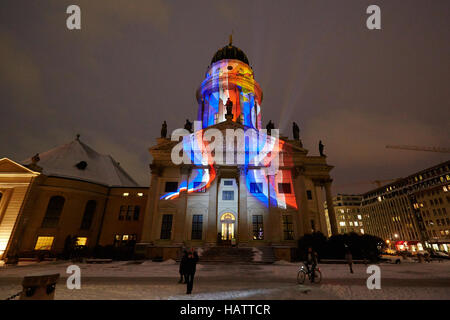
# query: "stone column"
[[304, 209], [211, 232], [151, 212], [300, 197], [322, 224], [330, 207], [242, 207], [274, 216], [179, 228]]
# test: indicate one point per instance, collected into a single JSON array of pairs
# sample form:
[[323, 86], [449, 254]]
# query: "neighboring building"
[[413, 212], [69, 190], [347, 208], [204, 204]]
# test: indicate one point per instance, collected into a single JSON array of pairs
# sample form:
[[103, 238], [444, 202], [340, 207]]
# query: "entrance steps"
[[235, 255]]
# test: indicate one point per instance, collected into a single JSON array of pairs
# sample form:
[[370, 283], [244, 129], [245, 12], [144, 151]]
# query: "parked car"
[[395, 258], [440, 255]]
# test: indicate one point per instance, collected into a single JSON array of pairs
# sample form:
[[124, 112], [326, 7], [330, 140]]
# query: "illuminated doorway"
[[227, 220]]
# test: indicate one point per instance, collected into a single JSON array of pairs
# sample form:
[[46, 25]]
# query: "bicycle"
[[303, 272]]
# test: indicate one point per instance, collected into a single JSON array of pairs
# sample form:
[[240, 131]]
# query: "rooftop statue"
[[269, 127], [321, 148], [188, 125], [164, 130], [295, 131]]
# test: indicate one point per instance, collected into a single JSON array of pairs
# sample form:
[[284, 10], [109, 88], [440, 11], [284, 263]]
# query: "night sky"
[[136, 63]]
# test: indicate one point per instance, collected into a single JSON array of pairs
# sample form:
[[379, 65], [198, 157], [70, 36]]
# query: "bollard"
[[39, 287]]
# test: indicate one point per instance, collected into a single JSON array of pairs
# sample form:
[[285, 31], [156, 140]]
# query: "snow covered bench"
[[98, 260]]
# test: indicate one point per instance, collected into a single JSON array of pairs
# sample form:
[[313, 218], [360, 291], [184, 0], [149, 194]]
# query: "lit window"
[[44, 243], [359, 217], [342, 223], [362, 231], [125, 194], [356, 223], [140, 194], [81, 241]]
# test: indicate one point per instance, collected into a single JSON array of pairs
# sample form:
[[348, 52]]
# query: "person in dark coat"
[[182, 267], [311, 259], [349, 258], [190, 268]]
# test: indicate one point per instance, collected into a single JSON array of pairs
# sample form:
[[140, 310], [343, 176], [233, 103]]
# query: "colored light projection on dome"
[[229, 79], [259, 158]]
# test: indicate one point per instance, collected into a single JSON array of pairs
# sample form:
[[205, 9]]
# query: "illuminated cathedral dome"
[[230, 52]]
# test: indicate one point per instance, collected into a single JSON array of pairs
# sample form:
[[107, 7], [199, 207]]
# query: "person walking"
[[190, 268], [183, 267], [349, 258]]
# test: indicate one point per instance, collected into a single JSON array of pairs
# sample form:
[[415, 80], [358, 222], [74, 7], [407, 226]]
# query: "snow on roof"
[[67, 161]]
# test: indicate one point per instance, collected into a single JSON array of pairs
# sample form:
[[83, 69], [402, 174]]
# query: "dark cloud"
[[137, 63]]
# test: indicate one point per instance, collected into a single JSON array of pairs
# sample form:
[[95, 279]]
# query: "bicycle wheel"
[[317, 276], [301, 276]]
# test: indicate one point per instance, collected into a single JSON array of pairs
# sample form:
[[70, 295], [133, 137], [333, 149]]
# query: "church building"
[[206, 203]]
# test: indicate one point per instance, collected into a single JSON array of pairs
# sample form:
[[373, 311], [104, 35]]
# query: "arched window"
[[88, 216], [54, 209]]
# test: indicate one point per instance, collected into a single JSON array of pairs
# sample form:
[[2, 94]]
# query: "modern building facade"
[[203, 202], [347, 208], [71, 190], [412, 213]]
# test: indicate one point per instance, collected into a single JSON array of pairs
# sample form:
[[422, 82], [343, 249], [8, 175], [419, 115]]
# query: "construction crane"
[[417, 148], [378, 183]]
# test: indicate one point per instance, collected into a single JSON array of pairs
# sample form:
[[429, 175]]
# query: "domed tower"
[[229, 77]]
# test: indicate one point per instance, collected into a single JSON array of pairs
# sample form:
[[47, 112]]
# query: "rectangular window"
[[197, 184], [197, 226], [137, 211], [288, 228], [166, 227], [256, 187], [44, 243], [171, 186], [227, 195], [130, 212], [122, 212], [284, 187], [228, 182], [258, 229], [309, 194]]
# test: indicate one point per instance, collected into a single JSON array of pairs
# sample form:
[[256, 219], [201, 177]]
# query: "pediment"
[[9, 166]]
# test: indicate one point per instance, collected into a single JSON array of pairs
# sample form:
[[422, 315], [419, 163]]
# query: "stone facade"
[[243, 204]]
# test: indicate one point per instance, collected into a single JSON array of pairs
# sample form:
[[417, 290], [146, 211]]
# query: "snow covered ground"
[[153, 280]]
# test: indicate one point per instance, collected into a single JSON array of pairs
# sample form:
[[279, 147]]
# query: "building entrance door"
[[228, 221]]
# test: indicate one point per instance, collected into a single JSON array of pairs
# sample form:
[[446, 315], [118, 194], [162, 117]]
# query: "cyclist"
[[311, 259]]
